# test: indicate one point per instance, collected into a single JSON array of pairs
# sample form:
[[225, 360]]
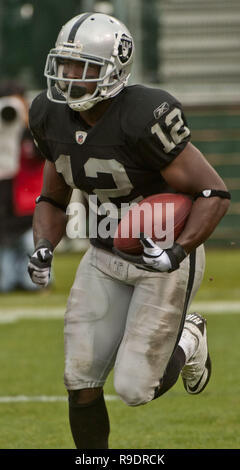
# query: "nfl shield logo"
[[80, 137]]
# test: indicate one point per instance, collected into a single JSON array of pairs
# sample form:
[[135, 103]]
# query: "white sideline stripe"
[[216, 307], [11, 315], [14, 314], [44, 398]]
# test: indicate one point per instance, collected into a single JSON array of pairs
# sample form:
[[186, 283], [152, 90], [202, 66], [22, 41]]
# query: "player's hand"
[[39, 266], [155, 258]]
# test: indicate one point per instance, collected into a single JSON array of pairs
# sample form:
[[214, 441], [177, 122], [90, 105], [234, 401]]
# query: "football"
[[161, 217]]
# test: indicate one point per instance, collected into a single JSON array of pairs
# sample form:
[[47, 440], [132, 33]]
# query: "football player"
[[120, 143]]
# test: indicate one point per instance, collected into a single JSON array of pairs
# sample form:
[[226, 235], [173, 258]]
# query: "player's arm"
[[190, 173], [166, 143], [49, 223]]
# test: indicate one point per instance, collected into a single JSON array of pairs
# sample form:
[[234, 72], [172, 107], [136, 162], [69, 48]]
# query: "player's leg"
[[155, 321], [94, 325], [191, 356], [88, 418]]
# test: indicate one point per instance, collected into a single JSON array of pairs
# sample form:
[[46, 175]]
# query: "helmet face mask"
[[100, 41]]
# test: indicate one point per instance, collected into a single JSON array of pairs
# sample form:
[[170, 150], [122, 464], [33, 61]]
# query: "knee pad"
[[131, 393]]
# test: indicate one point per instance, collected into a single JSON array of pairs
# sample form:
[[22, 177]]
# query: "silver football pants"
[[123, 317]]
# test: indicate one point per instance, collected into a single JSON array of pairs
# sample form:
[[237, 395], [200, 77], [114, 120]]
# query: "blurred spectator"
[[21, 168]]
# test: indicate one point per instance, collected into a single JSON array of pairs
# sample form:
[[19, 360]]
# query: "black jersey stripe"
[[76, 26]]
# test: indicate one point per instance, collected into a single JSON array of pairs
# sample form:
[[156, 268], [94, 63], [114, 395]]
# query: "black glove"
[[39, 266], [154, 258]]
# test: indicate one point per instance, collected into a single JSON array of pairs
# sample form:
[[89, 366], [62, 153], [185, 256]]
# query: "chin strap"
[[85, 105]]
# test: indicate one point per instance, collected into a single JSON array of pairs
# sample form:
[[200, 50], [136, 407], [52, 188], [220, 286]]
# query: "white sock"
[[188, 343]]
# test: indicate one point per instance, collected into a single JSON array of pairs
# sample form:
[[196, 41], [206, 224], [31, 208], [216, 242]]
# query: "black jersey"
[[119, 160]]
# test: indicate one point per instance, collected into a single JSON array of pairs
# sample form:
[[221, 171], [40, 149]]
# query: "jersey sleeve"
[[165, 136], [157, 127], [37, 124]]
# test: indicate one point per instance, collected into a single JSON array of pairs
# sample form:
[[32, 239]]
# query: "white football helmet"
[[92, 38]]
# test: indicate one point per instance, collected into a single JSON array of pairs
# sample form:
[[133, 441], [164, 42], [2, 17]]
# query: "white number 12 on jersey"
[[176, 137]]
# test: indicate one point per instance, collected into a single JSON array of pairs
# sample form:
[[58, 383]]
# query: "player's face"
[[73, 69]]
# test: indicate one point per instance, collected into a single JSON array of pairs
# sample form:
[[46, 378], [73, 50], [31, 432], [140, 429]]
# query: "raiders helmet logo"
[[125, 48]]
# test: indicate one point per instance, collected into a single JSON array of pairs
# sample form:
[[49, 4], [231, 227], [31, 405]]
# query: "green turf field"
[[31, 365]]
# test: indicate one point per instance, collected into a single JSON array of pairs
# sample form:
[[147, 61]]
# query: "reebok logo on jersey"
[[80, 137], [162, 109]]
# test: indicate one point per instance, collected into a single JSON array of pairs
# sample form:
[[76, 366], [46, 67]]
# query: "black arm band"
[[44, 243], [51, 201], [176, 255], [213, 193]]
